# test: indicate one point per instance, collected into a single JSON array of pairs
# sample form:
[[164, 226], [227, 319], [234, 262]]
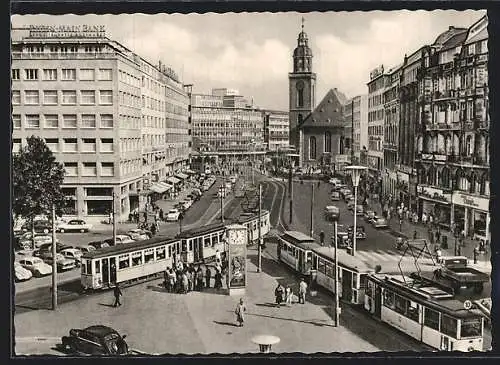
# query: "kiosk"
[[237, 239]]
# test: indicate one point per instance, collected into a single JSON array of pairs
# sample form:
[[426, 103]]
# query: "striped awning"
[[164, 184], [181, 176], [158, 188], [173, 180]]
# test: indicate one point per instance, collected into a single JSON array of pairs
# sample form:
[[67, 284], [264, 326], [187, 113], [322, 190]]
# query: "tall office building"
[[103, 110], [276, 130]]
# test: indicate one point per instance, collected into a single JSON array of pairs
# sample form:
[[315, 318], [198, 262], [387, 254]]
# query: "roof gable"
[[328, 113]]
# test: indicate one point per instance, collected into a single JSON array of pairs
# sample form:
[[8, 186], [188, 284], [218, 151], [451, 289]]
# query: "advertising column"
[[237, 241]]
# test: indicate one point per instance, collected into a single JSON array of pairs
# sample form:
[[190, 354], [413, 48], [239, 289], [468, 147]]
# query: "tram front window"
[[471, 328]]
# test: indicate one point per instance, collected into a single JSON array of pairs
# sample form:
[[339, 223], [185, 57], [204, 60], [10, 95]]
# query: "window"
[[98, 267], [123, 261], [16, 121], [328, 142], [389, 299], [106, 97], [89, 267], [88, 121], [89, 169], [71, 168], [89, 145], [50, 97], [16, 97], [31, 74], [32, 121], [52, 144], [69, 121], [70, 145], [105, 74], [160, 253], [16, 145], [312, 148], [106, 145], [15, 74], [106, 121], [87, 74], [51, 121], [68, 74], [31, 97], [471, 328], [412, 311], [136, 258], [107, 169], [88, 97], [449, 326], [69, 97], [149, 255]]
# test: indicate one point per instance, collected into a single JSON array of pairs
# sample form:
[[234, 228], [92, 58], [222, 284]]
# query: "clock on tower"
[[237, 238]]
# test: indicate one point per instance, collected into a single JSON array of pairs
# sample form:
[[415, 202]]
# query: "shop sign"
[[67, 31], [377, 72], [471, 201], [433, 193], [343, 158], [435, 157]]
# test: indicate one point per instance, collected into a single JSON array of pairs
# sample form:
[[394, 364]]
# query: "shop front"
[[435, 202], [471, 214]]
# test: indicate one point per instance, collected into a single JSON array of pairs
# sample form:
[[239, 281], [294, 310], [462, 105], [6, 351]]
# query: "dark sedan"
[[95, 340]]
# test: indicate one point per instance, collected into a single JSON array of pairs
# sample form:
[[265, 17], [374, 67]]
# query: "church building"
[[317, 132]]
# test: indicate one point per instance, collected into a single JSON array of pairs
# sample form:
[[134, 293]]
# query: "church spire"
[[302, 55]]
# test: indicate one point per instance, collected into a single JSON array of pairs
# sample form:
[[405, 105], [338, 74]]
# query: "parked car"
[[59, 247], [369, 215], [74, 225], [20, 273], [98, 244], [335, 196], [26, 240], [360, 232], [360, 211], [74, 254], [63, 263], [331, 212], [39, 226], [187, 203], [142, 232], [120, 239], [36, 266], [347, 197], [87, 248], [173, 215], [379, 223], [95, 340]]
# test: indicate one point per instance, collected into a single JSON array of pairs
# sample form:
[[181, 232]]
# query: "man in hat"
[[240, 312]]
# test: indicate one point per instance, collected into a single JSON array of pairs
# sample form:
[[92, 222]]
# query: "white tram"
[[425, 313], [103, 268], [200, 244], [295, 250], [250, 221]]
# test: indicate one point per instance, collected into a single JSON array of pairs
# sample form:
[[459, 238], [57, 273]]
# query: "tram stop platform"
[[157, 322]]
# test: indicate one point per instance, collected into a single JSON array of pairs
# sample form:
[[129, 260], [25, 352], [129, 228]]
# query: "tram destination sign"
[[67, 31]]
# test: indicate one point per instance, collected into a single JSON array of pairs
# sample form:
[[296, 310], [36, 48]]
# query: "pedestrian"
[[199, 279], [302, 291], [153, 229], [185, 283], [322, 238], [208, 275], [172, 280], [240, 312], [438, 236], [415, 234], [279, 293], [288, 295], [157, 224], [439, 255], [218, 280], [161, 215], [117, 293]]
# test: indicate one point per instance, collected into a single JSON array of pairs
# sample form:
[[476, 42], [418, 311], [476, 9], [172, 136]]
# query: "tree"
[[37, 179]]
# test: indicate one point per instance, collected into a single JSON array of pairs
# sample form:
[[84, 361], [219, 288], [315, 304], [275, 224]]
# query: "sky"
[[252, 52]]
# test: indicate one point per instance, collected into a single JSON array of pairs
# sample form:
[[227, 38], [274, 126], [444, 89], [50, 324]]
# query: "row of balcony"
[[452, 158], [466, 126]]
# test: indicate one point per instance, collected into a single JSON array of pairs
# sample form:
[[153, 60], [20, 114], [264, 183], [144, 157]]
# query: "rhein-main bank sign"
[[67, 31]]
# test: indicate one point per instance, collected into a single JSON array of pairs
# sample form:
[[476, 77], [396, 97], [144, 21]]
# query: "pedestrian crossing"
[[379, 256]]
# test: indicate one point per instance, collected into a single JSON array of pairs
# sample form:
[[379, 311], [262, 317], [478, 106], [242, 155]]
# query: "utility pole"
[[337, 307], [114, 219], [260, 230], [54, 259], [290, 191], [352, 131], [221, 191], [312, 210]]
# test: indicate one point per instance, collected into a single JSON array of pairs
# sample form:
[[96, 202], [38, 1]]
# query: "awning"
[[191, 172], [173, 180], [181, 176], [158, 188], [164, 184]]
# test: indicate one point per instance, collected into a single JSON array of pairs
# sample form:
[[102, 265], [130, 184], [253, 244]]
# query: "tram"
[[250, 221], [424, 312], [295, 250], [201, 243]]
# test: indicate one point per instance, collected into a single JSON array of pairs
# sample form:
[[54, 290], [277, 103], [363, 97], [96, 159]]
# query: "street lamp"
[[355, 175]]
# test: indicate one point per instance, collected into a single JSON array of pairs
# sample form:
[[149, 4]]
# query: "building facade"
[[302, 87], [391, 133], [375, 155], [453, 134], [86, 95], [226, 132], [276, 129], [356, 117]]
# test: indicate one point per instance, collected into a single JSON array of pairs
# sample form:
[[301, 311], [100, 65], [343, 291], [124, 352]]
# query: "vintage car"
[[379, 222], [63, 263], [332, 212], [360, 232], [74, 225], [95, 340], [36, 266], [20, 273], [173, 215]]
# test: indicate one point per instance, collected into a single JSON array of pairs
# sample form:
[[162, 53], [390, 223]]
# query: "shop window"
[[123, 261]]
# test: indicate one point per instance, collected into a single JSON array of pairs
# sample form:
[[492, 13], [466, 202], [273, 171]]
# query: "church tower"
[[302, 87]]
